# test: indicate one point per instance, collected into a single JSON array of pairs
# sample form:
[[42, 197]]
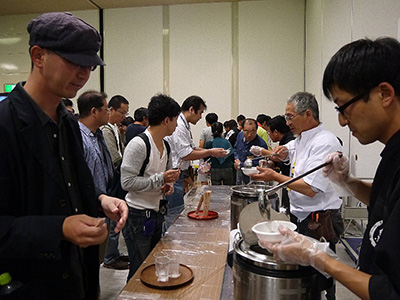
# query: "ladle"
[[264, 204]]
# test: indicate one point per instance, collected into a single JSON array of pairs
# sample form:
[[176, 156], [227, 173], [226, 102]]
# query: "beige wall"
[[197, 56], [330, 25], [191, 49]]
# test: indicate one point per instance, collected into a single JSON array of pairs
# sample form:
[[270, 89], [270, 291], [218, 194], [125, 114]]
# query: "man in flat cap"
[[49, 225]]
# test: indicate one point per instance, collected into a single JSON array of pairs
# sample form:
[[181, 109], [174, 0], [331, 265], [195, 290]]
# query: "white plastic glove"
[[256, 150], [338, 173], [300, 249]]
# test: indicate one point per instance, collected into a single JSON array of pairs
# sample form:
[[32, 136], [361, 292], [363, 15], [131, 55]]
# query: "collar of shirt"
[[308, 134], [182, 117], [187, 125], [85, 130], [43, 117]]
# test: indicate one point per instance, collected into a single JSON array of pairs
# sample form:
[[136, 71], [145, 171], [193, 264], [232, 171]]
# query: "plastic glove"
[[338, 173], [300, 249], [256, 150]]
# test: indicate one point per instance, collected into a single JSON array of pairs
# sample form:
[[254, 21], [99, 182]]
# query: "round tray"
[[149, 278], [199, 216]]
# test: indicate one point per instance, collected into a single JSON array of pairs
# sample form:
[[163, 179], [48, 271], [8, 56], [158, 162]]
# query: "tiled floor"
[[112, 281]]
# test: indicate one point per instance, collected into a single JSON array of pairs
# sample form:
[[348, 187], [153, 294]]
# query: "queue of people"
[[56, 170]]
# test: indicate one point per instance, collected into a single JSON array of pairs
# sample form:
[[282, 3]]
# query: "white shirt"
[[310, 149], [181, 142]]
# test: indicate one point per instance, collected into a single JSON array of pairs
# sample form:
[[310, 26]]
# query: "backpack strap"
[[145, 138], [168, 147]]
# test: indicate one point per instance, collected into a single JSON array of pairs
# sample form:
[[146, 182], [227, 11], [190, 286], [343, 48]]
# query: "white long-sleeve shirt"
[[143, 191]]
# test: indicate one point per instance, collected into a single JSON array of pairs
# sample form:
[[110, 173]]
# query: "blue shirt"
[[242, 148], [133, 130], [97, 157]]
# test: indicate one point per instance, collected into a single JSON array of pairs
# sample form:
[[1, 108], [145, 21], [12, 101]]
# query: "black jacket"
[[33, 207]]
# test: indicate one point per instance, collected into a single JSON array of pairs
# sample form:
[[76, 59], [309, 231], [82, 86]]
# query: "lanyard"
[[186, 125], [292, 169]]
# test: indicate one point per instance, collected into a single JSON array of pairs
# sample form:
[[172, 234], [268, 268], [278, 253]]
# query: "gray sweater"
[[143, 191]]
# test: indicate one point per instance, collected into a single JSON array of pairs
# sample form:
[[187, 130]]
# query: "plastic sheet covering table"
[[202, 246]]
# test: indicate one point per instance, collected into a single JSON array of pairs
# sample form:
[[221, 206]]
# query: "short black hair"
[[194, 101], [361, 65], [88, 100], [116, 101], [211, 118], [278, 123], [67, 102], [231, 124], [160, 107], [216, 129], [261, 118], [140, 113], [240, 118], [127, 121]]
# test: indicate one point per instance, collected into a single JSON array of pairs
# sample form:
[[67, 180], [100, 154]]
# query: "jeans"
[[175, 202], [172, 215], [112, 253], [142, 233], [241, 178]]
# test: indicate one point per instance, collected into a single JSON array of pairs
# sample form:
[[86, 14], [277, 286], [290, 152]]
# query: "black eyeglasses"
[[340, 109]]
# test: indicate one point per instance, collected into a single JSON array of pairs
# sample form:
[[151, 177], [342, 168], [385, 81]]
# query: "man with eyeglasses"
[[118, 109], [312, 195], [363, 79], [247, 138], [49, 208], [93, 113]]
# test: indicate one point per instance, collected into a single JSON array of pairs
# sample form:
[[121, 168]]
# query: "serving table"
[[202, 245]]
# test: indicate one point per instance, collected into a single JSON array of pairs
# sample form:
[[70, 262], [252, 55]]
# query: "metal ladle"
[[264, 204]]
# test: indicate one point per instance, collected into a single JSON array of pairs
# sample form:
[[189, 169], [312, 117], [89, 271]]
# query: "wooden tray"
[[149, 278], [211, 215]]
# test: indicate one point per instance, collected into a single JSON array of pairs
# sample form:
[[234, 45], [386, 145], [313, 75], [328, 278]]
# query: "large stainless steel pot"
[[256, 276], [242, 195]]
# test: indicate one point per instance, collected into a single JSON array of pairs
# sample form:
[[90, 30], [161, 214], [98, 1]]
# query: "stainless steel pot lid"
[[250, 216], [250, 190], [257, 256]]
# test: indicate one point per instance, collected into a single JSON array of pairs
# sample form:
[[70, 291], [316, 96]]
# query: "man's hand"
[[116, 209], [237, 164], [300, 249], [171, 175], [167, 189], [256, 150], [217, 152], [266, 174], [280, 153], [84, 231], [338, 172]]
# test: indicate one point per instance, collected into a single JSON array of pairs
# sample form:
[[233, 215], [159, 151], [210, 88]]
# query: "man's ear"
[[387, 93], [37, 56], [93, 111], [309, 113]]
